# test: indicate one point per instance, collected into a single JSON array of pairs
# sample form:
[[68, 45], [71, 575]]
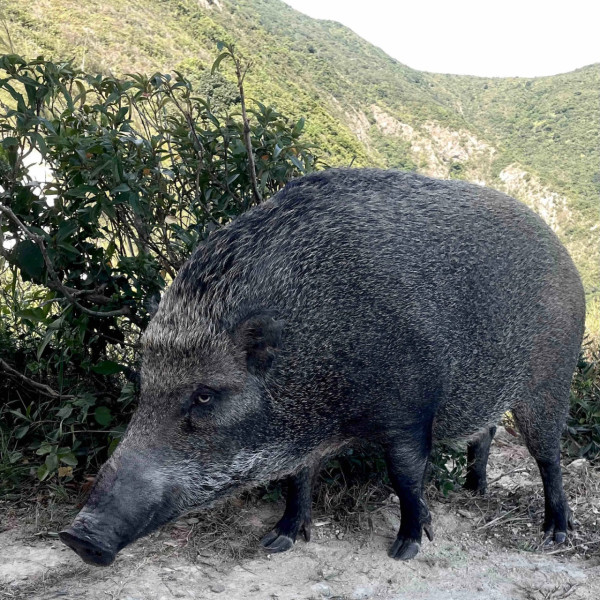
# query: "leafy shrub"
[[142, 169], [583, 427]]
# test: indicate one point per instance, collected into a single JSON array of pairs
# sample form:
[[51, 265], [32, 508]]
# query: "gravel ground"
[[485, 548]]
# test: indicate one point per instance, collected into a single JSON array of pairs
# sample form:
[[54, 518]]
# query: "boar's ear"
[[260, 336]]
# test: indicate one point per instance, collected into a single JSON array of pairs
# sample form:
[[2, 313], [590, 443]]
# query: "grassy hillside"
[[533, 138]]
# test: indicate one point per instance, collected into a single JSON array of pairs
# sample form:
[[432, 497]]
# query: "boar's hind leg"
[[541, 429], [407, 464], [297, 515], [478, 451]]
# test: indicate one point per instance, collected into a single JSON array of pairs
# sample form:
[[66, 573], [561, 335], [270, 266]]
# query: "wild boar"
[[354, 304]]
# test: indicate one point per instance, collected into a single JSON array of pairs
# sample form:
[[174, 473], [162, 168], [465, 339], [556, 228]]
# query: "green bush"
[[583, 427], [142, 169]]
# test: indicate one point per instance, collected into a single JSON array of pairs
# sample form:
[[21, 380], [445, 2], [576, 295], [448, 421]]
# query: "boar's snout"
[[90, 550], [129, 500]]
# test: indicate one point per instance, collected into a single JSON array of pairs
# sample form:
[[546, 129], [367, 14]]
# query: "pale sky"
[[490, 38]]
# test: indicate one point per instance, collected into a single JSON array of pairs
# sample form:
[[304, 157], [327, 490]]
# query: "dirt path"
[[484, 549]]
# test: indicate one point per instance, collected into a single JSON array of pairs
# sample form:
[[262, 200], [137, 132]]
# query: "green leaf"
[[21, 431], [28, 257], [297, 163], [49, 335], [42, 472], [18, 97], [123, 187], [52, 462], [57, 323], [14, 457], [65, 411], [45, 448], [81, 191], [82, 92], [10, 142], [107, 367], [69, 249], [66, 229], [103, 416], [298, 127], [69, 459], [264, 179], [37, 139], [218, 62], [35, 315]]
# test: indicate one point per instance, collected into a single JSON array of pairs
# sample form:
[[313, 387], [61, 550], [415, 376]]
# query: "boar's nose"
[[89, 550]]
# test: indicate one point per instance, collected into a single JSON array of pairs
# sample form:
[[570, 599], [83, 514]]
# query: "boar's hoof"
[[283, 536], [276, 542], [553, 536], [428, 529], [404, 548], [476, 486]]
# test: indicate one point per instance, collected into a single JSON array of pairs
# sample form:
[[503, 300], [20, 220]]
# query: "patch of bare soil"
[[485, 548]]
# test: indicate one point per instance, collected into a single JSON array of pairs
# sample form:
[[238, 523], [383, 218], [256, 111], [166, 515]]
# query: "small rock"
[[255, 587], [322, 588], [363, 593], [328, 574], [193, 521], [578, 465], [217, 588]]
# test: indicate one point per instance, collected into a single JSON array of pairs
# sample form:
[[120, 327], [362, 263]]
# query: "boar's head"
[[206, 425]]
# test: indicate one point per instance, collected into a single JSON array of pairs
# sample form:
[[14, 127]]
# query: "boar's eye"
[[202, 398], [202, 395]]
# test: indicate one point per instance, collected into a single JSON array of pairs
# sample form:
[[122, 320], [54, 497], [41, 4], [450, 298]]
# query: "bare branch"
[[38, 386], [240, 74]]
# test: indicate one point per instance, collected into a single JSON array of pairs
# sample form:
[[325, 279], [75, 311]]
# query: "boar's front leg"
[[297, 515], [407, 459]]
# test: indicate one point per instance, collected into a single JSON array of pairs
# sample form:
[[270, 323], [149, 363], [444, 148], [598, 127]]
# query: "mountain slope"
[[533, 138]]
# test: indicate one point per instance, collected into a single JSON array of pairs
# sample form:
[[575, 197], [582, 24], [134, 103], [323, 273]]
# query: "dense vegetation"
[[145, 166], [142, 170]]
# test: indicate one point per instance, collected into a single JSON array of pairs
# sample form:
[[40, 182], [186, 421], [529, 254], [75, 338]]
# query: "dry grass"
[[512, 511], [509, 515]]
